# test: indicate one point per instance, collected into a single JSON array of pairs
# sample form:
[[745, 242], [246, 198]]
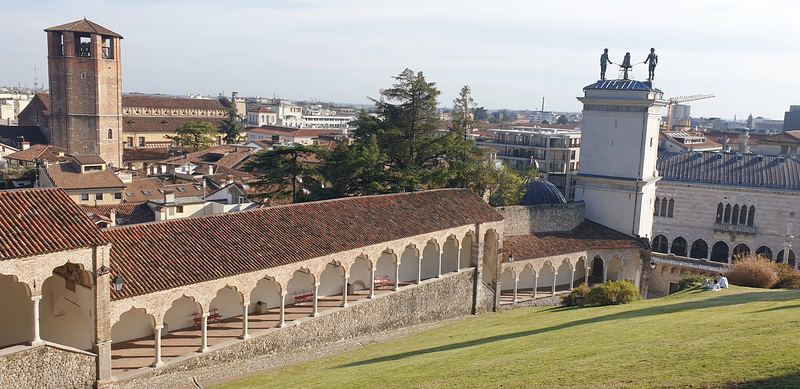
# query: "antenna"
[[35, 77], [542, 103]]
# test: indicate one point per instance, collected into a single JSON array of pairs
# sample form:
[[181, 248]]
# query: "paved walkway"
[[138, 353]]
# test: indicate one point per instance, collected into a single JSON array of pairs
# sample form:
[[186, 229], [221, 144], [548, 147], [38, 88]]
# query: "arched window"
[[671, 208], [743, 215], [765, 251], [719, 253], [735, 215], [679, 247], [719, 213], [727, 217], [699, 249], [660, 244], [656, 207], [664, 206], [751, 215], [110, 134], [740, 249], [791, 258]]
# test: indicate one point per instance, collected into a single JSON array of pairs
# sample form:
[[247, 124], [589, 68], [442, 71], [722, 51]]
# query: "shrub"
[[613, 293], [788, 278], [690, 279], [753, 270], [571, 299]]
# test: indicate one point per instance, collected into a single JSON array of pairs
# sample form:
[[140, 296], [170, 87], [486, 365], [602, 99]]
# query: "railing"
[[739, 228]]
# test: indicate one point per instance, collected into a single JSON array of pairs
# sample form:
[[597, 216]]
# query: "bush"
[[613, 293], [690, 279], [788, 278], [753, 270], [571, 299]]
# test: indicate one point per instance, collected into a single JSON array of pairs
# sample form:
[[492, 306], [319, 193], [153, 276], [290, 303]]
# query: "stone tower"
[[619, 144], [85, 72]]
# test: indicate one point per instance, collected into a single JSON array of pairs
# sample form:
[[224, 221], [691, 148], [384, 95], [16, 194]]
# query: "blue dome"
[[542, 192]]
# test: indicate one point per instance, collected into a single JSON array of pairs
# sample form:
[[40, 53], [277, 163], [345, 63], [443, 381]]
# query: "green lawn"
[[740, 337]]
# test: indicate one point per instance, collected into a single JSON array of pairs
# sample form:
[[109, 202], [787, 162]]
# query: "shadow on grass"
[[787, 381], [713, 302]]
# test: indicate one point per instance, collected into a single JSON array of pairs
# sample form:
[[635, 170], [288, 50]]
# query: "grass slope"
[[740, 337]]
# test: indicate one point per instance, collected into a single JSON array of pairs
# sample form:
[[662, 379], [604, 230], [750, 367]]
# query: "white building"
[[262, 116]]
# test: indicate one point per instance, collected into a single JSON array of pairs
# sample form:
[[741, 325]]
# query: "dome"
[[542, 192]]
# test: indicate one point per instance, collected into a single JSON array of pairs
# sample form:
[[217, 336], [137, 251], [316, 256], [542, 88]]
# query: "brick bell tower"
[[85, 70]]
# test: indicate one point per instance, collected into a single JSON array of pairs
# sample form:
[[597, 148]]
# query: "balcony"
[[734, 228]]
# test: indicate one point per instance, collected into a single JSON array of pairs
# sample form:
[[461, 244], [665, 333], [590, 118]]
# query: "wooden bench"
[[303, 296], [213, 315], [383, 281]]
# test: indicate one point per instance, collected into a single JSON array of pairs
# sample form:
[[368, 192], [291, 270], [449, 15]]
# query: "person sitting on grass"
[[723, 281], [715, 285]]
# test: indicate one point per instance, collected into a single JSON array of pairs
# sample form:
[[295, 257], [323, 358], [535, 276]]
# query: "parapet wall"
[[433, 300], [46, 367], [528, 219]]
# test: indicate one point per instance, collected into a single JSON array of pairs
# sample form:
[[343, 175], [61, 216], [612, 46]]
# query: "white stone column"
[[372, 283], [396, 275], [419, 269], [344, 291], [586, 276], [439, 271], [37, 340], [282, 321], [204, 332], [535, 284], [516, 284], [314, 310], [571, 279], [158, 362], [555, 277], [245, 306], [458, 257], [605, 273]]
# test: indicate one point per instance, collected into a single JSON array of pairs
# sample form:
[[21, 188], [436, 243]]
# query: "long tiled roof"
[[41, 221], [84, 25], [68, 176], [587, 235], [126, 213], [162, 124], [42, 152], [161, 256], [225, 155], [730, 169], [792, 137], [174, 102]]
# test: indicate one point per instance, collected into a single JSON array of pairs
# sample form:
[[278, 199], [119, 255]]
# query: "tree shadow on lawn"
[[713, 302], [791, 380]]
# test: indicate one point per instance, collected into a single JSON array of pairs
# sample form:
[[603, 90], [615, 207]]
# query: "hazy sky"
[[511, 53]]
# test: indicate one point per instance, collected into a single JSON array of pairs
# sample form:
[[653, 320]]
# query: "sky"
[[511, 53]]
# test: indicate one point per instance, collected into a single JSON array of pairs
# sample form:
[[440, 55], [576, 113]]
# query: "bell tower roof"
[[86, 26]]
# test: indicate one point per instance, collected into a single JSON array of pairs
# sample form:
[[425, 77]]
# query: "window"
[[784, 149], [84, 197], [98, 196], [671, 208], [117, 195], [130, 194], [719, 213], [743, 215], [179, 208], [141, 141], [108, 53], [110, 134], [664, 207], [146, 192], [180, 189], [735, 215], [751, 216], [656, 207], [129, 142], [726, 218]]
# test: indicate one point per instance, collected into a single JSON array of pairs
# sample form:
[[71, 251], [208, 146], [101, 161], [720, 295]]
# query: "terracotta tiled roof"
[[140, 191], [167, 255], [40, 221], [145, 154], [138, 101], [127, 214], [225, 156], [88, 159], [42, 152], [587, 235], [165, 124], [792, 137], [84, 26], [261, 110], [746, 170], [292, 132], [185, 190], [68, 176]]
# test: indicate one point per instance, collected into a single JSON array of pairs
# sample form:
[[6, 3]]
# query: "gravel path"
[[239, 369]]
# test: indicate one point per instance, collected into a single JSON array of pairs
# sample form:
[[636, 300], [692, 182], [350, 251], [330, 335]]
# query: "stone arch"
[[134, 323], [491, 258], [267, 292], [699, 249], [546, 278], [466, 251], [181, 313], [331, 281], [360, 272], [65, 309], [508, 283], [16, 322], [679, 246], [526, 283], [741, 249], [580, 272], [450, 255], [719, 252], [227, 302], [409, 264], [598, 266], [765, 251], [633, 269], [564, 276], [780, 258], [660, 244], [616, 269], [302, 282], [430, 260]]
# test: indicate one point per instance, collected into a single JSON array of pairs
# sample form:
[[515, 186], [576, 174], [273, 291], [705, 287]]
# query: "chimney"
[[169, 196], [25, 145], [113, 217], [210, 170]]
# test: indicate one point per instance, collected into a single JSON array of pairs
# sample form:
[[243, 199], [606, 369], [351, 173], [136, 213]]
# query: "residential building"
[[791, 118], [86, 179], [262, 116], [680, 141]]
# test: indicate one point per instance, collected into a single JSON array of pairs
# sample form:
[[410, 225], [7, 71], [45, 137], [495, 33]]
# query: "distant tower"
[[86, 90], [619, 143]]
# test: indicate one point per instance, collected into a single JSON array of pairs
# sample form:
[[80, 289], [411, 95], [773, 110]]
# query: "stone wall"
[[46, 367], [549, 301], [528, 219], [433, 300]]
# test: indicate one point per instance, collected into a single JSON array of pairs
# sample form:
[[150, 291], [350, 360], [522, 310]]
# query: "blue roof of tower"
[[631, 85]]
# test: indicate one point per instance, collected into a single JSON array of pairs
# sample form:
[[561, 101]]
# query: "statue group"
[[625, 66]]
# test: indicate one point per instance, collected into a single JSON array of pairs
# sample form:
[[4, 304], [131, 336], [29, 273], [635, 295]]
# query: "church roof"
[[746, 170], [586, 236], [542, 192], [166, 255], [84, 25], [631, 85], [41, 221], [145, 101]]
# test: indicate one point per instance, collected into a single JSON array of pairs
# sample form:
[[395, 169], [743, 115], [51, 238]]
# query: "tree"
[[562, 119], [197, 135], [502, 186], [463, 112], [355, 170], [232, 124], [481, 114], [288, 172]]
